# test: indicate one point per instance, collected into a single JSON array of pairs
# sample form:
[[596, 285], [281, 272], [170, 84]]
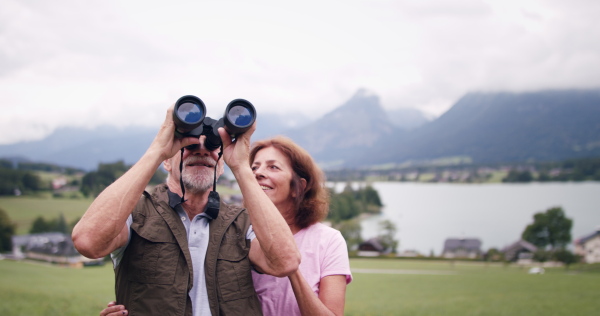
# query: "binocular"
[[190, 120]]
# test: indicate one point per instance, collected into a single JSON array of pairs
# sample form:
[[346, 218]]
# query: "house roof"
[[520, 244], [47, 243], [462, 243], [40, 238], [587, 237], [374, 242]]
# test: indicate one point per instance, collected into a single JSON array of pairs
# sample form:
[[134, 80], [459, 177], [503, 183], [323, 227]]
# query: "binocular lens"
[[189, 116], [240, 116], [190, 113]]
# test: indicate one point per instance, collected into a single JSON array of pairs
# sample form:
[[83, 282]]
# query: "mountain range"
[[479, 128]]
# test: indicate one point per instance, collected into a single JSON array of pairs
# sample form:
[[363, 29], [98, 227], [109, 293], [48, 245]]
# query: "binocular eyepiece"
[[190, 120]]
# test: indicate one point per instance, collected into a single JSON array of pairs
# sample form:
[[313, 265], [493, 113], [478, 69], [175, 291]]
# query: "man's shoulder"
[[232, 208], [151, 197]]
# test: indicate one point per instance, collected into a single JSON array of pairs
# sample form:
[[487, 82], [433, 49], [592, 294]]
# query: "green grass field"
[[380, 287], [40, 289], [24, 210], [468, 289]]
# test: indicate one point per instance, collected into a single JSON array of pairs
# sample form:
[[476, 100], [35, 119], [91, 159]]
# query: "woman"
[[294, 183]]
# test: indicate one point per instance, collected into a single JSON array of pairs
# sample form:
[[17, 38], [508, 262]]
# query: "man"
[[174, 258]]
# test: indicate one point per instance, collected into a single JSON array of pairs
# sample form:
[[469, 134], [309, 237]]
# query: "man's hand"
[[165, 143]]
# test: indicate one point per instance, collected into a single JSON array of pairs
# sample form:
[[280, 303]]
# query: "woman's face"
[[273, 171]]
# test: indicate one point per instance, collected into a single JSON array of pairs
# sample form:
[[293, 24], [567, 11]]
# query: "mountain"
[[353, 127], [503, 127], [407, 118], [86, 147], [481, 127]]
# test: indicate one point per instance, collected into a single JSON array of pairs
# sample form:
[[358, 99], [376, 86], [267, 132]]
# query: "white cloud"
[[121, 62]]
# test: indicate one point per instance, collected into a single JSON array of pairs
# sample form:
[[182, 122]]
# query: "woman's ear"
[[298, 185], [302, 185]]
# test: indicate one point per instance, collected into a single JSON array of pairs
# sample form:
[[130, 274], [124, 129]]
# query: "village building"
[[371, 248], [520, 251], [588, 247], [468, 248], [51, 247]]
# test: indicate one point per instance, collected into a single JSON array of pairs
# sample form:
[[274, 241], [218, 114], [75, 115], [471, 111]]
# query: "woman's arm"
[[114, 310], [331, 299]]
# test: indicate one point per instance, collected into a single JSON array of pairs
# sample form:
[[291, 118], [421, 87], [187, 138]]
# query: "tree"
[[94, 182], [370, 196], [351, 231], [59, 224], [387, 233], [518, 176], [7, 230], [551, 228], [39, 225], [493, 254], [565, 256], [542, 255], [31, 181]]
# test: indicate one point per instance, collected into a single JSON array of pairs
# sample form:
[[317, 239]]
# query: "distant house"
[[371, 248], [520, 251], [589, 247], [462, 248], [51, 247]]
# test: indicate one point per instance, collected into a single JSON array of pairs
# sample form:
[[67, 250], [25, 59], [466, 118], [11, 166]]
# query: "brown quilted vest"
[[155, 274]]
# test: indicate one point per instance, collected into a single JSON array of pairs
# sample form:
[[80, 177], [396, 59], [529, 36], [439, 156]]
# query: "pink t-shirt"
[[323, 252]]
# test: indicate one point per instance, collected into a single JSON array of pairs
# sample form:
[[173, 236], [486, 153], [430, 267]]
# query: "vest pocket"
[[155, 258], [234, 279]]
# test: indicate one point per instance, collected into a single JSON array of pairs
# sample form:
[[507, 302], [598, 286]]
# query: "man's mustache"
[[207, 161]]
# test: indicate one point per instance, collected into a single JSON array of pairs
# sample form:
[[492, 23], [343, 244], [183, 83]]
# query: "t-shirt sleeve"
[[336, 261], [117, 254]]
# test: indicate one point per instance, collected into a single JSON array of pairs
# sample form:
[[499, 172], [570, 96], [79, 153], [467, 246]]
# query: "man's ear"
[[167, 165]]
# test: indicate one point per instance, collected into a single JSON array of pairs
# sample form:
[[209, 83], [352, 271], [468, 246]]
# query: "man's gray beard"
[[198, 182]]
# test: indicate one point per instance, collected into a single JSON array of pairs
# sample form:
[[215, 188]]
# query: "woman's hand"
[[114, 310]]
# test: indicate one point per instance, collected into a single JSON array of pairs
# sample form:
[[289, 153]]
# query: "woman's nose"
[[258, 173]]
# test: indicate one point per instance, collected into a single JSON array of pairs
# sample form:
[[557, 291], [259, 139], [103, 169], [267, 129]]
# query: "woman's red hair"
[[312, 205]]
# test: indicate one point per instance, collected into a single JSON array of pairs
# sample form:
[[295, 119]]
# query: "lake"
[[426, 214]]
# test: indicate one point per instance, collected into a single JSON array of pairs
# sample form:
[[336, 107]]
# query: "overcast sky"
[[87, 63]]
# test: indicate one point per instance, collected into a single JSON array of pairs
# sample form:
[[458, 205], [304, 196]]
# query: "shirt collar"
[[175, 203]]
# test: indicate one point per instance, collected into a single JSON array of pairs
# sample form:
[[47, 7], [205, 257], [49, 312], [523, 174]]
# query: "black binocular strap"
[[181, 177]]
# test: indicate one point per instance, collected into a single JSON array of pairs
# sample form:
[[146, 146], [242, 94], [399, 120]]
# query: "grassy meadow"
[[24, 210], [402, 287], [380, 287]]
